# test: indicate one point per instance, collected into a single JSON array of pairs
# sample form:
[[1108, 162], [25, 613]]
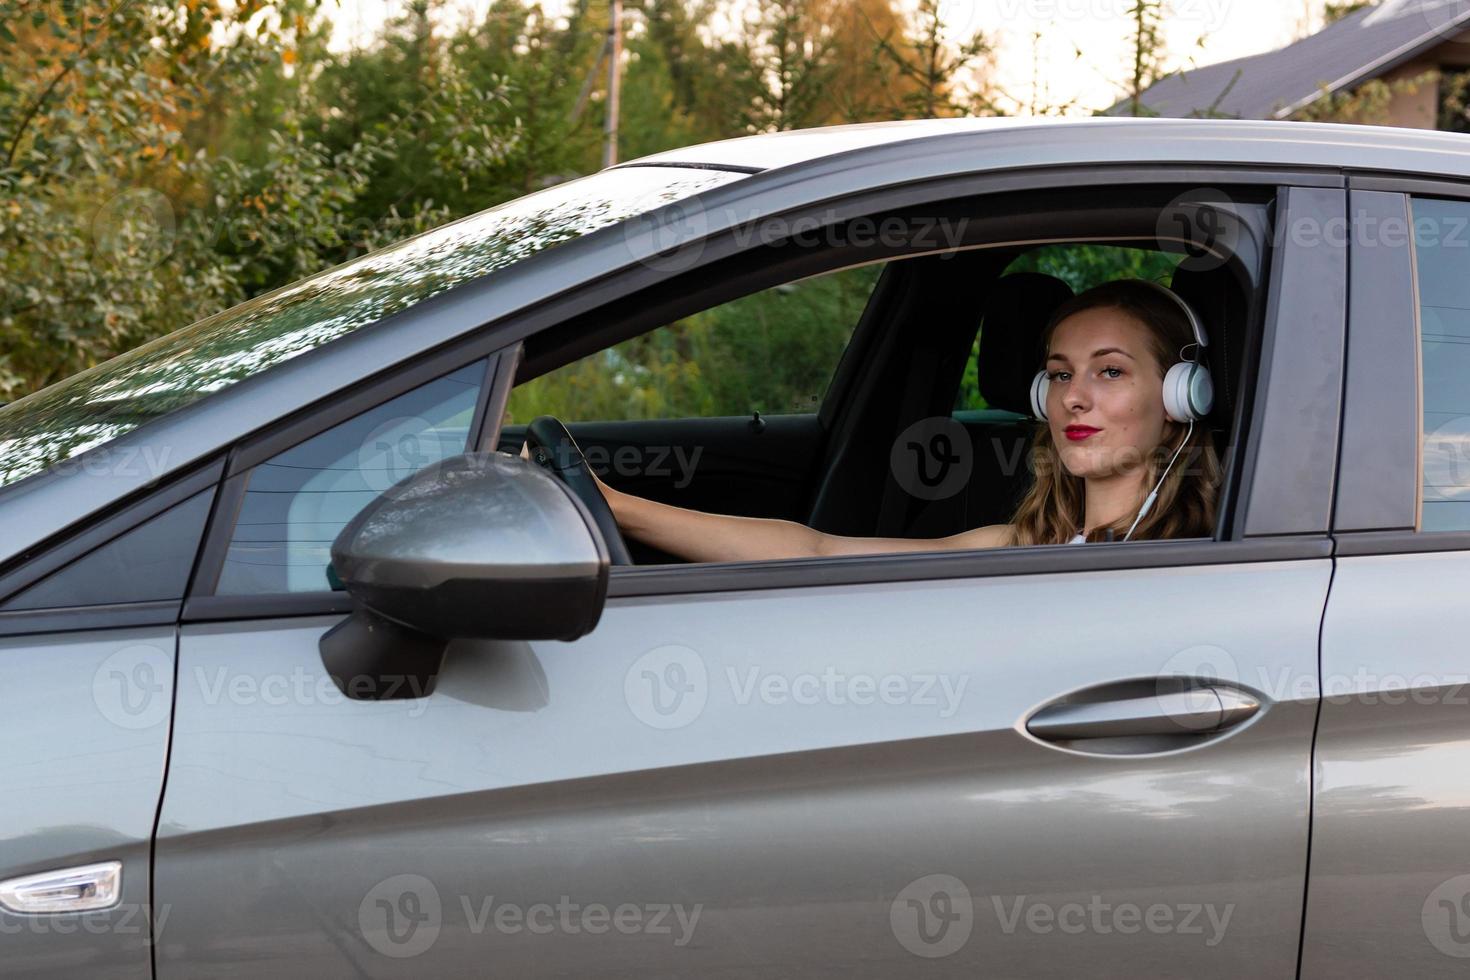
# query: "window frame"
[[1290, 530], [1378, 515], [1254, 536], [201, 603], [121, 519]]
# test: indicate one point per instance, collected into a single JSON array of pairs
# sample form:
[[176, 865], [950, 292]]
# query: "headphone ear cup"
[[1189, 393], [1039, 386]]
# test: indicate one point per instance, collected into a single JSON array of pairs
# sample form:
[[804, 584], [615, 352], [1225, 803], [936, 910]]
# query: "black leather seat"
[[1016, 311]]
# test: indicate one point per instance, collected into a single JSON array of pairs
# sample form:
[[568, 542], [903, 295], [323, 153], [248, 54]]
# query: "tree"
[[929, 63]]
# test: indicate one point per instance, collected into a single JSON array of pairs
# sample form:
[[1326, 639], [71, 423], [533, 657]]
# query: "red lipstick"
[[1077, 433]]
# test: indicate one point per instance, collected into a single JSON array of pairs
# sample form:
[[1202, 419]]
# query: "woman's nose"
[[1076, 397]]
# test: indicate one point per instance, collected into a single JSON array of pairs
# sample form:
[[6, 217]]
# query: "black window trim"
[[293, 431], [54, 555]]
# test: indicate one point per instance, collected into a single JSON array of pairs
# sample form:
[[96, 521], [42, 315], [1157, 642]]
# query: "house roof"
[[1360, 46]]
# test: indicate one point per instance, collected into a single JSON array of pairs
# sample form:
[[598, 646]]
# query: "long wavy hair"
[[1052, 510]]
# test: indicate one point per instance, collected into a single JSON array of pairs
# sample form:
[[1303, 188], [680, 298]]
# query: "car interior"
[[927, 318]]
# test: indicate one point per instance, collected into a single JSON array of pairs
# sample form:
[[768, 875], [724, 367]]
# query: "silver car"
[[307, 674]]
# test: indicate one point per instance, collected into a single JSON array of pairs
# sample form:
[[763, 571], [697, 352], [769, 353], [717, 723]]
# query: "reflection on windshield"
[[104, 402]]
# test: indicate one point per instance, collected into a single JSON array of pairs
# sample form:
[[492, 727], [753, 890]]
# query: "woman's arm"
[[697, 536]]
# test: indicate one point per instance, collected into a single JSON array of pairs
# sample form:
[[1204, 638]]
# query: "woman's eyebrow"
[[1097, 353]]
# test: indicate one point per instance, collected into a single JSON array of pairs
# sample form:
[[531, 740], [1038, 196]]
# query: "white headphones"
[[1188, 391]]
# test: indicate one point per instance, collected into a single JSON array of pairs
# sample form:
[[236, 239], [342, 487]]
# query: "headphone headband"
[[1189, 314]]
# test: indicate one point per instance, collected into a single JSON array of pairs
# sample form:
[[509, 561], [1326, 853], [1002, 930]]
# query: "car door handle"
[[1202, 710]]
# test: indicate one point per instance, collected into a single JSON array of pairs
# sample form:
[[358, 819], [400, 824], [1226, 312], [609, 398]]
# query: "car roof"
[[770, 151]]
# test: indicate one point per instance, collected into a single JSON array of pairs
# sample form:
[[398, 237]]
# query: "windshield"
[[102, 403]]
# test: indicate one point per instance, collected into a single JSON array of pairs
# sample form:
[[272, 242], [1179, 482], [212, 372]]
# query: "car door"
[[88, 635], [1028, 762], [1390, 880]]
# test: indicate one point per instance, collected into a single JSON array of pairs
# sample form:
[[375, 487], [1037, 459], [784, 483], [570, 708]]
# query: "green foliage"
[[771, 352]]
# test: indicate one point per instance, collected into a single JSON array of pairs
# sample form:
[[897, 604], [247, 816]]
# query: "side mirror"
[[477, 546]]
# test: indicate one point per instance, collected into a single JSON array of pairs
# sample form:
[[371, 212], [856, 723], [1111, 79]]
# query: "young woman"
[[1104, 458]]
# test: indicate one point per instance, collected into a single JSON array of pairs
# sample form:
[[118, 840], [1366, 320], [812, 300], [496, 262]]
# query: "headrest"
[[1016, 312]]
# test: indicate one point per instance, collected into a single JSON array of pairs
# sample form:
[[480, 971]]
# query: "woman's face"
[[1105, 404]]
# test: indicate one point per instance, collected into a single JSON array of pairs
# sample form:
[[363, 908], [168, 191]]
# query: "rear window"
[[100, 404]]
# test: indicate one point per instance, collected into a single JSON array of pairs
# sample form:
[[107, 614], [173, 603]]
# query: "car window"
[[1080, 266], [772, 352], [149, 563], [296, 502], [105, 402], [1442, 267]]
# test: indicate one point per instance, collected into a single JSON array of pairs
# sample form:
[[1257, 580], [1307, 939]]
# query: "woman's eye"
[[1113, 372], [1059, 375]]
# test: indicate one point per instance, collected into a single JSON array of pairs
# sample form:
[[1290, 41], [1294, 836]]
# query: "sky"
[[1030, 70]]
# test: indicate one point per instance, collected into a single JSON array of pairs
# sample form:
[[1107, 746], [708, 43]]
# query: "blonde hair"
[[1052, 510]]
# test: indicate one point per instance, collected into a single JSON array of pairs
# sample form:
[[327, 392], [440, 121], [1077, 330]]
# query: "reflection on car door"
[[809, 781]]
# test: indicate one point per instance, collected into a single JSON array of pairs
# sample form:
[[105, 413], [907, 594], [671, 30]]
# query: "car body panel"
[[86, 727], [793, 821]]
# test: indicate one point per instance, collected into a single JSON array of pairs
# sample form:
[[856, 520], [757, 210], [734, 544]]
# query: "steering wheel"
[[552, 448]]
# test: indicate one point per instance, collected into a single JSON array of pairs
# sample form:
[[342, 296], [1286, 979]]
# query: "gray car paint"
[[36, 508], [85, 723], [545, 773], [289, 810]]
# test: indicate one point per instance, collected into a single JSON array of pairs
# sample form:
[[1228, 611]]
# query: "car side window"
[[149, 563], [296, 502], [772, 352], [1442, 267]]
